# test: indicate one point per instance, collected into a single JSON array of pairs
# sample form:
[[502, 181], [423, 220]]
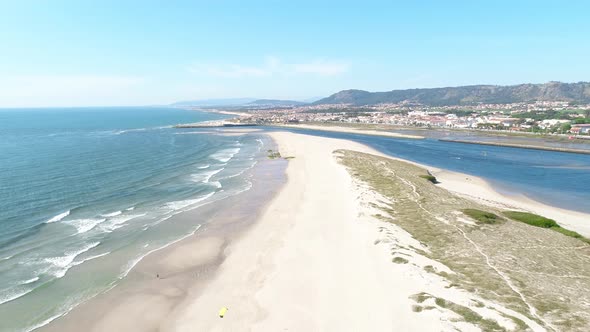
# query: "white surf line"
[[532, 309]]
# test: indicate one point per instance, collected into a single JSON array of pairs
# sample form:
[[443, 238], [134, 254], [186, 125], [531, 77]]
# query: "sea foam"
[[29, 281], [204, 176], [225, 155], [215, 184], [58, 217], [84, 225], [119, 221], [84, 260], [61, 264], [177, 205], [14, 294], [112, 214]]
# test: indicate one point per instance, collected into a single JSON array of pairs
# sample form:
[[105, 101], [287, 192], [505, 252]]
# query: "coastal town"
[[537, 117]]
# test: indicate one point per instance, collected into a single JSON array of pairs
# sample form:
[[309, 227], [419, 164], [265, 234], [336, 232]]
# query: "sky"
[[106, 53]]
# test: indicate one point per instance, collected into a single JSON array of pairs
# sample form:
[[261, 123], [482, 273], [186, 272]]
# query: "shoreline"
[[159, 282]]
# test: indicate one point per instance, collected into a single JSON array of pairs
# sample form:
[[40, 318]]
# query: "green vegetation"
[[582, 120], [276, 155], [469, 315], [273, 154], [540, 221], [531, 219], [416, 308], [399, 260], [429, 177], [482, 216], [441, 302], [421, 297], [542, 115]]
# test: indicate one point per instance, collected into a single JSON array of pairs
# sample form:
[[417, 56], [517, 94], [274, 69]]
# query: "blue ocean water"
[[554, 178], [90, 187]]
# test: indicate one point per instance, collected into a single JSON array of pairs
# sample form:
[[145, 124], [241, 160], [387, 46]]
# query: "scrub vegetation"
[[482, 216], [429, 177], [540, 221]]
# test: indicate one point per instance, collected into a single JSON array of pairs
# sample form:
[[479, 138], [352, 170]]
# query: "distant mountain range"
[[462, 95], [467, 95], [275, 102], [215, 102], [245, 102]]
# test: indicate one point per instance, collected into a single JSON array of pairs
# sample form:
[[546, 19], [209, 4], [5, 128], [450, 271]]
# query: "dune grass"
[[482, 216], [399, 260], [540, 221], [429, 177], [531, 219]]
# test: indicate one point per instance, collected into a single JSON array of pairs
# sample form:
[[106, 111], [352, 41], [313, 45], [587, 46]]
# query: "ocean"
[[85, 193]]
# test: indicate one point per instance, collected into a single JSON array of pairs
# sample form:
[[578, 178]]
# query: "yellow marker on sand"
[[222, 312]]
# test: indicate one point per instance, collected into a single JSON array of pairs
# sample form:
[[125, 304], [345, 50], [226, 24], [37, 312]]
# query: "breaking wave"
[[225, 155], [58, 217]]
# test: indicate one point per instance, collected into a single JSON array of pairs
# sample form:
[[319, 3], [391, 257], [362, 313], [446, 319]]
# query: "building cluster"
[[483, 116]]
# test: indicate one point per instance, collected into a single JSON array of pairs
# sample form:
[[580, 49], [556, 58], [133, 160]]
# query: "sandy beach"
[[311, 260], [316, 259], [308, 262]]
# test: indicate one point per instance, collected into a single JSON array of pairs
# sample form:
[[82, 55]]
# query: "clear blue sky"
[[80, 53]]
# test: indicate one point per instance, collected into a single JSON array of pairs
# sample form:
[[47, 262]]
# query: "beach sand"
[[308, 264]]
